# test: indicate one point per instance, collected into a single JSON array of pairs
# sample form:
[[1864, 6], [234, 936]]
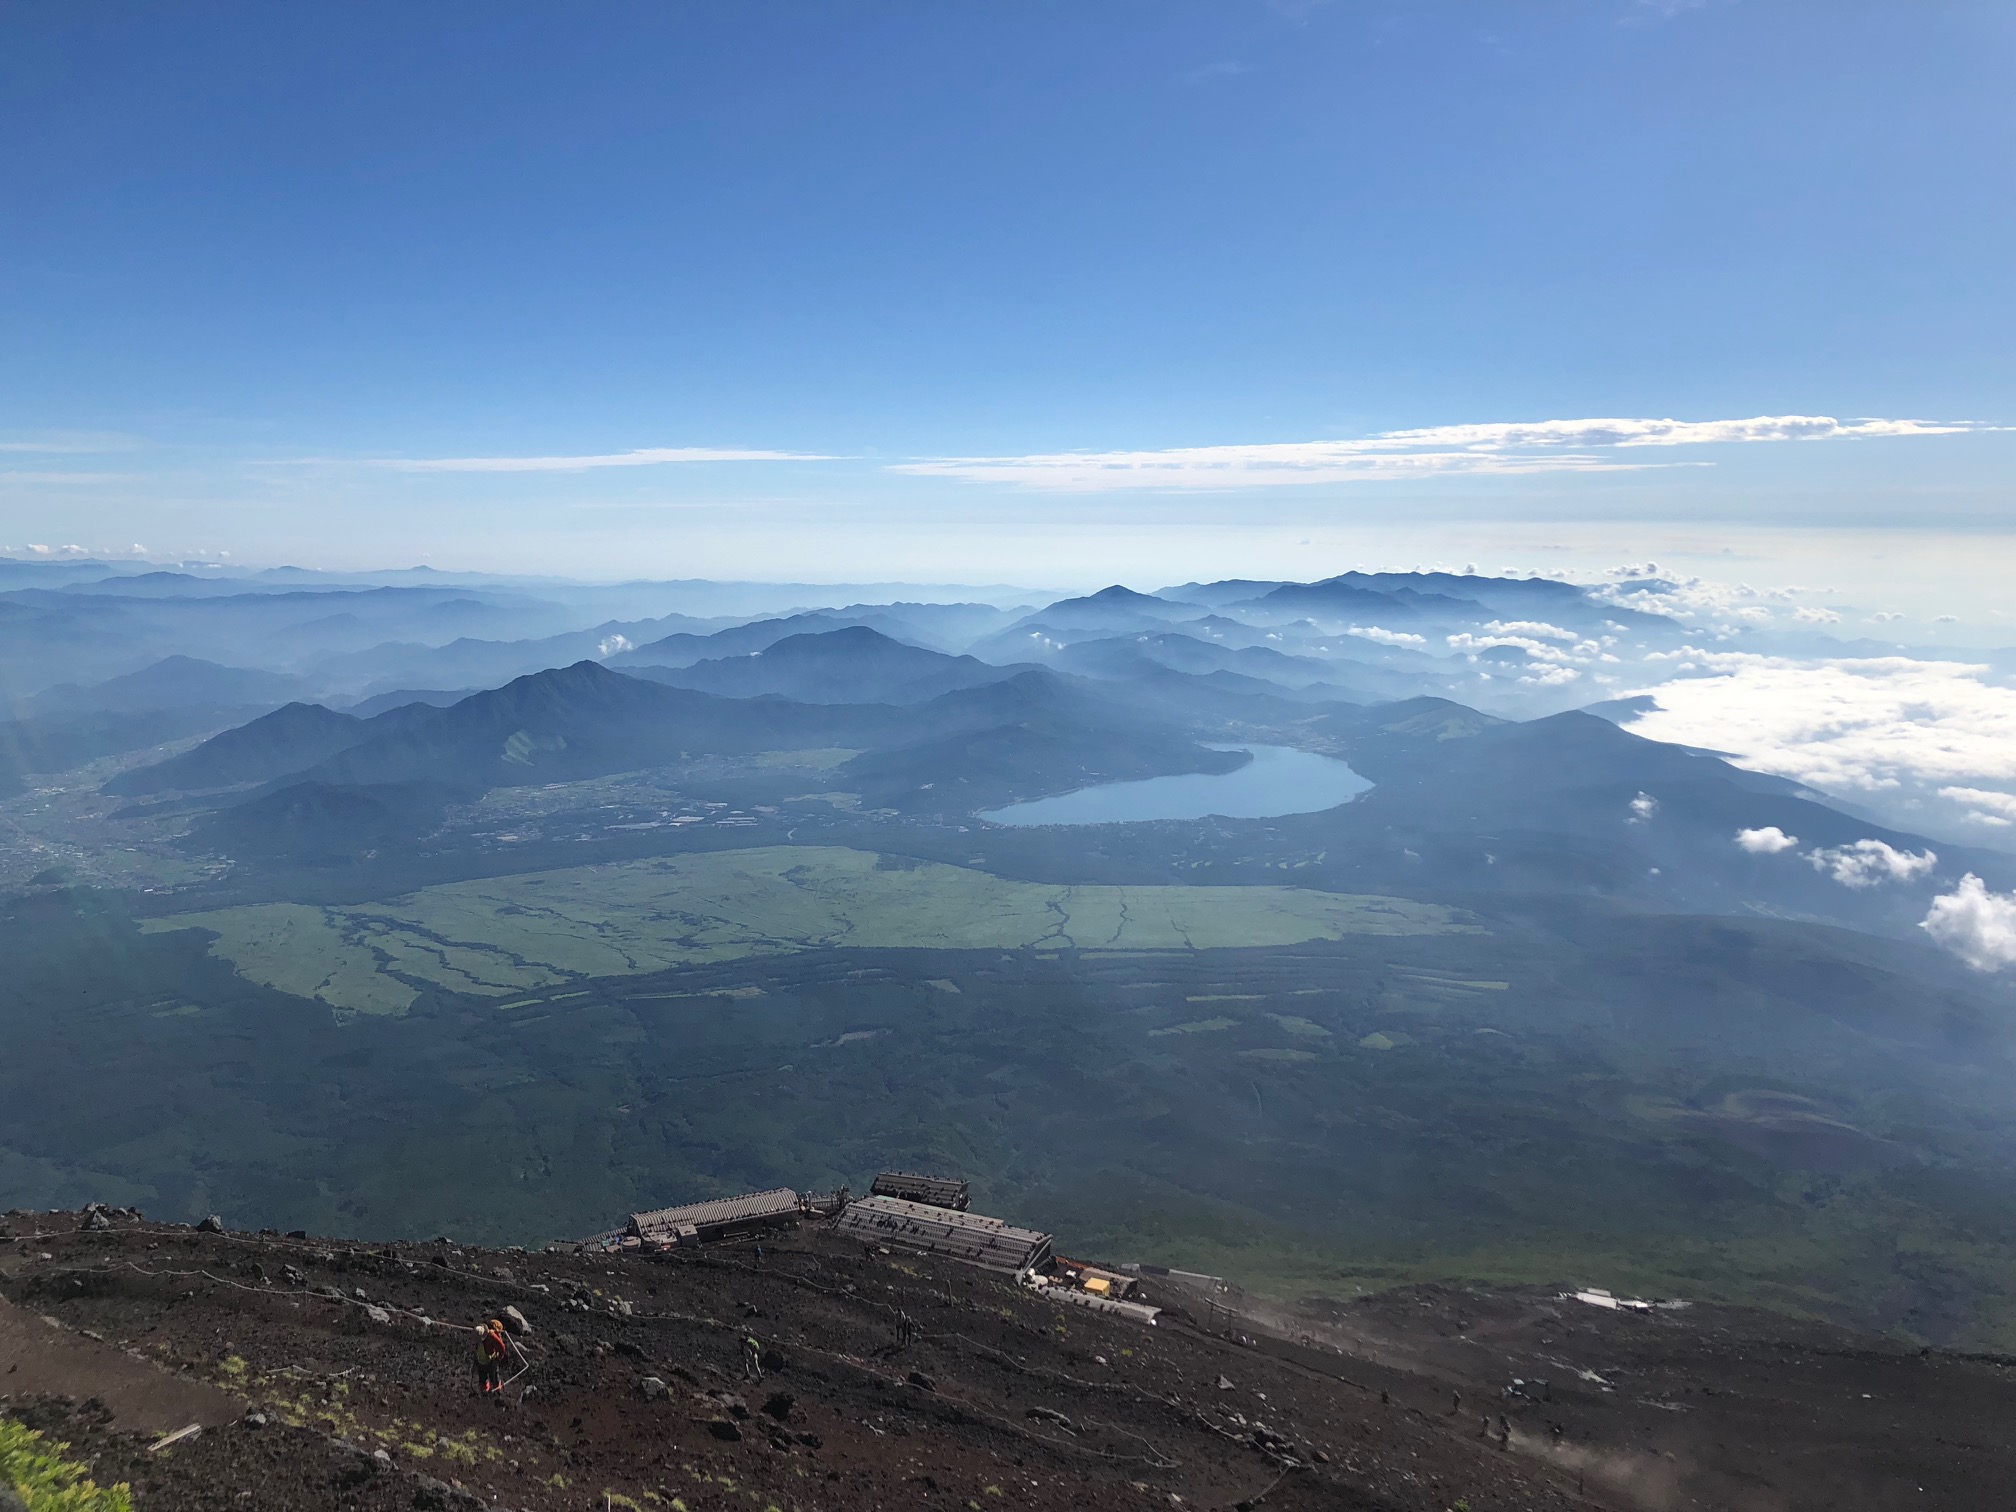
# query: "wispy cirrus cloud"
[[650, 456], [1510, 447], [1222, 467], [69, 443], [1670, 432], [1224, 68]]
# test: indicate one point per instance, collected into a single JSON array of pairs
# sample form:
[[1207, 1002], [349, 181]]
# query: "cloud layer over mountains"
[[1852, 726]]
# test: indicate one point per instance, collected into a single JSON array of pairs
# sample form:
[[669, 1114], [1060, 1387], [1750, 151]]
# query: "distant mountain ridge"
[[1008, 733], [172, 682], [852, 664], [288, 740], [1402, 605], [273, 745], [1412, 596], [685, 648]]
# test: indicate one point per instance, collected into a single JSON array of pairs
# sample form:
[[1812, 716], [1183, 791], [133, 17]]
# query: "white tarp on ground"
[[1596, 1296]]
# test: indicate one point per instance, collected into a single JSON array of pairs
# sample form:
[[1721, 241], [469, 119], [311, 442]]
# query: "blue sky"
[[256, 255]]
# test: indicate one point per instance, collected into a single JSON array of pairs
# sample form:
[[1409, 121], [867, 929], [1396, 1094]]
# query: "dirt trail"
[[41, 1357]]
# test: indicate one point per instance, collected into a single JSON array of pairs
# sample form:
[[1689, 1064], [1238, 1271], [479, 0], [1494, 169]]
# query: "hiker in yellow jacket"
[[492, 1349]]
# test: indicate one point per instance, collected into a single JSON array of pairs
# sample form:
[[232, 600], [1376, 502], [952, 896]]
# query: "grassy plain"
[[504, 936]]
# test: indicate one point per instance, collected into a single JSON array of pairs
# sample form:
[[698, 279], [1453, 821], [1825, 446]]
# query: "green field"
[[508, 935]]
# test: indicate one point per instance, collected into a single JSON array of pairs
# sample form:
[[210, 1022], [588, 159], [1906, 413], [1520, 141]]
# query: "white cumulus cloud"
[[1977, 925], [1539, 641], [1386, 637], [1868, 862], [1768, 841], [1555, 676], [1538, 629], [1645, 586], [1643, 807]]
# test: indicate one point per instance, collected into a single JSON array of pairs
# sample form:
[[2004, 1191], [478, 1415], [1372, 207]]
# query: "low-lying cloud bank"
[[1850, 726]]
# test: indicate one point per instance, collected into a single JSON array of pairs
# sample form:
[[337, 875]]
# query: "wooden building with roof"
[[935, 1191], [977, 1240], [721, 1218]]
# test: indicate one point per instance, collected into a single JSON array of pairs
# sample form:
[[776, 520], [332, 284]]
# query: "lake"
[[1278, 780]]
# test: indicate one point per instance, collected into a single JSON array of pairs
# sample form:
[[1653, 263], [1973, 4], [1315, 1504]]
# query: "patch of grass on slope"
[[505, 935]]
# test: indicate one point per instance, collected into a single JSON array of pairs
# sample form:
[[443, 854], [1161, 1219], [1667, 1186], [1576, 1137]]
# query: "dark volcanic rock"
[[1817, 1419]]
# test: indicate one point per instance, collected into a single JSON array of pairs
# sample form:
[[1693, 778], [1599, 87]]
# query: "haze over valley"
[[1236, 753], [560, 875]]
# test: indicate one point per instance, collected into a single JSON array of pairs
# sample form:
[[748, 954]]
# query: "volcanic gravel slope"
[[1002, 1399], [350, 1366]]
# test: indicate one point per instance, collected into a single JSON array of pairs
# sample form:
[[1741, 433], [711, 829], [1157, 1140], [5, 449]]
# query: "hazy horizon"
[[1054, 295]]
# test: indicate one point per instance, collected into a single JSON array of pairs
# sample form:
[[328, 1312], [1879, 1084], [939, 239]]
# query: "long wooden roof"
[[972, 1237], [939, 1191], [751, 1205]]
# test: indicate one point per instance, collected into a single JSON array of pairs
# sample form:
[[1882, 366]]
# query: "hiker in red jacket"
[[491, 1351]]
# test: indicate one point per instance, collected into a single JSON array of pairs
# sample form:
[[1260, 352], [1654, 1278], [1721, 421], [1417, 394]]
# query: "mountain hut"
[[722, 1218], [977, 1240], [935, 1191]]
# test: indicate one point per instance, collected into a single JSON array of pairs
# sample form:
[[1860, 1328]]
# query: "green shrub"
[[49, 1483]]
